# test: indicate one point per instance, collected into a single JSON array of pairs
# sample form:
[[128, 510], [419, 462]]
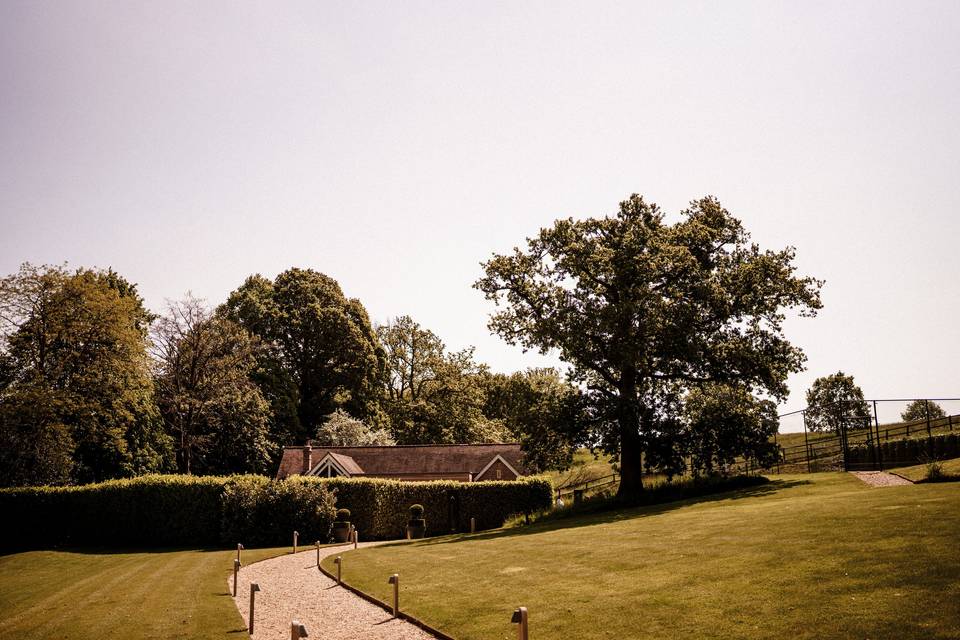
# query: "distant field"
[[99, 594], [919, 472], [813, 556]]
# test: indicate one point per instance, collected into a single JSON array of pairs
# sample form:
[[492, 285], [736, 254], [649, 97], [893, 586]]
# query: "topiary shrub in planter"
[[341, 526], [416, 526]]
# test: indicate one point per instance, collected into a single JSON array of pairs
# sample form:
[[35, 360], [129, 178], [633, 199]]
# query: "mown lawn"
[[919, 472], [96, 594], [812, 556]]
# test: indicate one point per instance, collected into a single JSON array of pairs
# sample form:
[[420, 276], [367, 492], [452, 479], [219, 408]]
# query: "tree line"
[[93, 385], [671, 332]]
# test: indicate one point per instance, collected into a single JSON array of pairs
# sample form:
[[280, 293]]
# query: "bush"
[[343, 515], [416, 512], [173, 510], [379, 507]]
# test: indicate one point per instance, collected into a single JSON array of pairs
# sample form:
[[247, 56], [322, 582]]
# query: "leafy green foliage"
[[322, 352], [541, 411], [835, 402], [152, 511], [343, 430], [76, 379], [434, 396], [643, 310], [723, 423], [217, 416], [379, 508], [921, 410]]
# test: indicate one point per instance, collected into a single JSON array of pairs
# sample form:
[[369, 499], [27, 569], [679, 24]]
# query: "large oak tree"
[[322, 353], [643, 311]]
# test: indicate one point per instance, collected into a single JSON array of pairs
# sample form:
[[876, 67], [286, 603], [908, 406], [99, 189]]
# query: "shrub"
[[380, 507], [416, 512], [343, 515], [174, 510]]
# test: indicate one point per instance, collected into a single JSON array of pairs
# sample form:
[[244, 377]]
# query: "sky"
[[396, 146]]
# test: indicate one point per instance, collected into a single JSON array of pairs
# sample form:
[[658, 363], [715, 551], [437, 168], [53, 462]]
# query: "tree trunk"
[[631, 462], [631, 447]]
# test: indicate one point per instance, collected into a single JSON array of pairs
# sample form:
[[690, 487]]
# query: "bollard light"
[[356, 537], [297, 630], [473, 525], [296, 534], [236, 570], [239, 549], [395, 581], [520, 619], [318, 553], [339, 562], [254, 587]]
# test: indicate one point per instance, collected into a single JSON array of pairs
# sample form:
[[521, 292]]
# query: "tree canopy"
[[921, 410], [643, 310], [343, 430], [322, 353], [835, 402], [76, 401], [216, 414]]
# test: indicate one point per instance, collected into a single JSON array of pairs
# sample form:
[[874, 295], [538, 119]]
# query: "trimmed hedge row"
[[909, 451], [380, 508], [170, 510], [174, 510]]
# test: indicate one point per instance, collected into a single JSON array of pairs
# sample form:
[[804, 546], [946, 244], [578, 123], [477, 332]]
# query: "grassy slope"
[[821, 556], [585, 467], [919, 472], [940, 427], [98, 595]]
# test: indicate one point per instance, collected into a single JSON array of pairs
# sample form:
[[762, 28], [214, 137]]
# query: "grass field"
[[95, 595], [814, 556], [919, 472]]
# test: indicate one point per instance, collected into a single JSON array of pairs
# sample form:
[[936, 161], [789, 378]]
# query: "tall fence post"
[[876, 422], [806, 441]]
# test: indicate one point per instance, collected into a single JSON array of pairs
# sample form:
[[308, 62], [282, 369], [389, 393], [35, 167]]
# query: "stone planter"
[[341, 532], [416, 529]]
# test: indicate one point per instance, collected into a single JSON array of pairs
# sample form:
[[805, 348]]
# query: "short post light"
[[254, 587], [395, 581], [339, 562], [296, 535], [473, 525], [239, 549], [356, 537], [236, 570], [297, 630], [520, 619], [318, 553]]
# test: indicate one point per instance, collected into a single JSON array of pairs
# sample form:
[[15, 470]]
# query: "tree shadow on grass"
[[611, 511]]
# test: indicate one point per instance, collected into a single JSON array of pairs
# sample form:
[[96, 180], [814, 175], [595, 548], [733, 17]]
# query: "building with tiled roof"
[[463, 462]]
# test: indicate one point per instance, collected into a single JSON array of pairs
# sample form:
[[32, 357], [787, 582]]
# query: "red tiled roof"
[[405, 459]]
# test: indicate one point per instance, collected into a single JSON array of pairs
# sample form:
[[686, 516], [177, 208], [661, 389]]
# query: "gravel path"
[[880, 478], [292, 588]]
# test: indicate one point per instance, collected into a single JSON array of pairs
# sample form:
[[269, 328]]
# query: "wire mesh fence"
[[871, 435]]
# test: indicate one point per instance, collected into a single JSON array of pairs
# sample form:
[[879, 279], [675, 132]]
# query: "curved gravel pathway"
[[292, 588], [880, 478]]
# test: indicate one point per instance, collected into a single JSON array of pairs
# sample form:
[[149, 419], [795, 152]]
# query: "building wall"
[[504, 470]]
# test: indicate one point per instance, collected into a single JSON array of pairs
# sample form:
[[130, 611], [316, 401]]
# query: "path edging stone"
[[387, 607]]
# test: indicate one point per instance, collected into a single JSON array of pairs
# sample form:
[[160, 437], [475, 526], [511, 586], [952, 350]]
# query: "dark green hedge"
[[380, 508], [907, 451], [174, 510], [158, 511]]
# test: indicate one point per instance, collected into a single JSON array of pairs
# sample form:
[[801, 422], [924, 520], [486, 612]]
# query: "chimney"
[[307, 459]]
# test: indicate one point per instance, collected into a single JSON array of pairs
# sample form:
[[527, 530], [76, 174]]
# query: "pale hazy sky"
[[395, 145]]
